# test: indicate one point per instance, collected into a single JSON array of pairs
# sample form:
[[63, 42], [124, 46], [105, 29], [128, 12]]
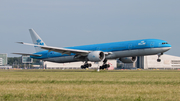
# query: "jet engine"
[[96, 56], [128, 59]]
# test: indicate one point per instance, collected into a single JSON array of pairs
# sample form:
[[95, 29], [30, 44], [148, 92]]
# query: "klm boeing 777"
[[126, 51]]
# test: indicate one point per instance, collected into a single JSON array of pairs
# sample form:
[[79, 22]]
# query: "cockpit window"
[[164, 43]]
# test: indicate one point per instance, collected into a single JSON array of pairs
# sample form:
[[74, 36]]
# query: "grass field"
[[75, 85]]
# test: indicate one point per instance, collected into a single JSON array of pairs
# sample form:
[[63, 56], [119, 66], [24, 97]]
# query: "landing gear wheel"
[[104, 66], [86, 65], [101, 67], [158, 60], [90, 65], [83, 67], [108, 65]]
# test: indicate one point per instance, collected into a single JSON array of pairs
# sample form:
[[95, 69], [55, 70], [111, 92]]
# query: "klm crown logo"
[[39, 42], [142, 43]]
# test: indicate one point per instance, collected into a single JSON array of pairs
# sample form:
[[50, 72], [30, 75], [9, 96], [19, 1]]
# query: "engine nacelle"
[[96, 56], [128, 59]]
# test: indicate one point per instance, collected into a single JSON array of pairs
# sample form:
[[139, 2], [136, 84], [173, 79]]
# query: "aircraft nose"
[[168, 47]]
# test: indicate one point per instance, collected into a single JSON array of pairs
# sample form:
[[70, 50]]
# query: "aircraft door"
[[130, 46], [152, 44]]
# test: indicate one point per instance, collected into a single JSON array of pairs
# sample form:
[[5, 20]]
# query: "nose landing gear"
[[159, 55]]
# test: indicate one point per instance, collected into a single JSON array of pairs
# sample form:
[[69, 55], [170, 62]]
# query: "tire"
[[89, 65], [82, 67], [104, 66], [158, 60], [101, 67], [86, 65]]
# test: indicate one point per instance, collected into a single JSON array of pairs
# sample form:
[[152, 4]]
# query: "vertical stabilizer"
[[36, 40]]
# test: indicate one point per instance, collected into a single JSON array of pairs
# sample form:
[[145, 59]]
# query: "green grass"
[[88, 85]]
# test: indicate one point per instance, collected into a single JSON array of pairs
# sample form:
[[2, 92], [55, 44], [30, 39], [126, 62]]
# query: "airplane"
[[125, 51]]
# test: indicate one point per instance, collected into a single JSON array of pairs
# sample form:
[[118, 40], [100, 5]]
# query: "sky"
[[64, 23]]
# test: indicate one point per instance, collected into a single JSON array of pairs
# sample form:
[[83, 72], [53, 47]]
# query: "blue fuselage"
[[130, 48]]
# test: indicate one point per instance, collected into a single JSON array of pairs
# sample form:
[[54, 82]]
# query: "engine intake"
[[128, 59], [96, 56]]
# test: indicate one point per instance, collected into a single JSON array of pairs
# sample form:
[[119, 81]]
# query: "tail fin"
[[36, 40]]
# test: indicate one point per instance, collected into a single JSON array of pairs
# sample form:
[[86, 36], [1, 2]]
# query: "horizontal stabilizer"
[[28, 54]]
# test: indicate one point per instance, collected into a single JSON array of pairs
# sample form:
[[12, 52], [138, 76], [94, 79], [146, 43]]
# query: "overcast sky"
[[64, 23]]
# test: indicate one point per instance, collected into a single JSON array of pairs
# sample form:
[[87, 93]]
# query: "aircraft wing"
[[60, 50], [27, 54]]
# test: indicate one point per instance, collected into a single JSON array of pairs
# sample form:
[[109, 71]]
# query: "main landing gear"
[[104, 66], [159, 55], [86, 65]]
